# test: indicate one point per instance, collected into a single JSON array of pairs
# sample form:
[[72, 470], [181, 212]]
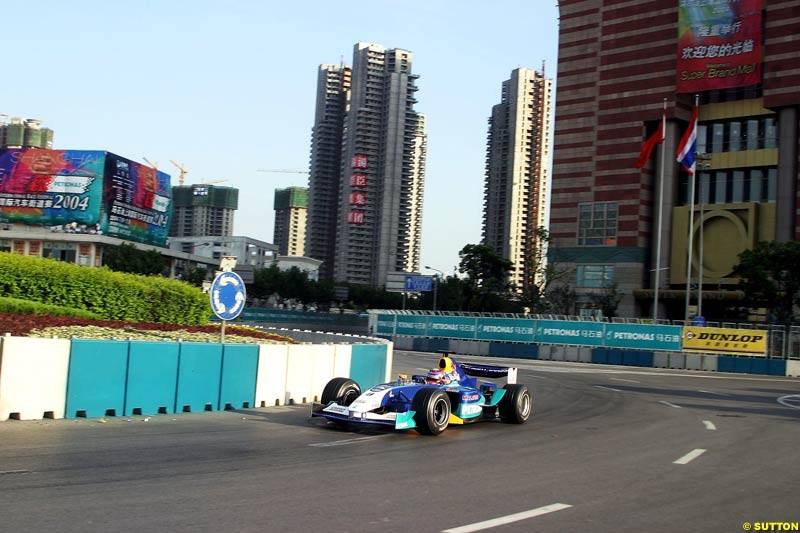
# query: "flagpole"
[[691, 226], [660, 211]]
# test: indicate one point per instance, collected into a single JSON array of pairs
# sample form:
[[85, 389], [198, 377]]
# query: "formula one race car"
[[447, 395]]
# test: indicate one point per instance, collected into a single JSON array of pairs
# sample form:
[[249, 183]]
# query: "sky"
[[228, 88]]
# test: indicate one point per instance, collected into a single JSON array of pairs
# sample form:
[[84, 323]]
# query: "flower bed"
[[83, 328]]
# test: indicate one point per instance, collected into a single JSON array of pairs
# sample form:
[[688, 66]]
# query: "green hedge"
[[15, 306], [110, 295]]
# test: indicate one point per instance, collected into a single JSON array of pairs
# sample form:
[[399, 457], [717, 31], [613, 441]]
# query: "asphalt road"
[[607, 449]]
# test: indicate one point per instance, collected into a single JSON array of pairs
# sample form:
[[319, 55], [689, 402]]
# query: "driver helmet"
[[435, 375]]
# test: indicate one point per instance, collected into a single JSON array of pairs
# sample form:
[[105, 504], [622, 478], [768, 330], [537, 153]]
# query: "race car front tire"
[[515, 406], [343, 391], [431, 411]]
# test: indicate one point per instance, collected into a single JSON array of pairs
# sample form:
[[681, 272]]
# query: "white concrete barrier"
[[342, 357], [33, 378], [271, 377], [793, 368], [322, 370], [299, 372]]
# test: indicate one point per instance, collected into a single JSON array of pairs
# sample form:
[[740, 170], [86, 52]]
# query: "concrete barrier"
[[33, 378], [152, 381], [661, 359], [271, 379], [237, 388], [370, 364], [323, 369], [299, 370], [97, 378], [199, 375], [793, 368]]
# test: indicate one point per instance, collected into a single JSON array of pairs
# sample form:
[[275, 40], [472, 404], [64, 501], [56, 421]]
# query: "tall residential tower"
[[378, 214], [517, 154], [333, 89], [291, 206]]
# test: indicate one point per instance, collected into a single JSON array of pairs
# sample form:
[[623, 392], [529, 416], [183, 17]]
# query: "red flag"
[[656, 138]]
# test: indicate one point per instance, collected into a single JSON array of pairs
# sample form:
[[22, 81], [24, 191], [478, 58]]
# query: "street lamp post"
[[435, 285], [704, 165]]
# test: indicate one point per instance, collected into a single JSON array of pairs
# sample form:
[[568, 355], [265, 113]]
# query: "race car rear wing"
[[489, 371]]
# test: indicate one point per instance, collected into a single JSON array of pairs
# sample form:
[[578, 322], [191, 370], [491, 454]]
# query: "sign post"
[[227, 295]]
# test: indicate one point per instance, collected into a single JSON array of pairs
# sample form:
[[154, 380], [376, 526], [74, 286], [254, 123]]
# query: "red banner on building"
[[355, 217], [358, 180], [358, 198], [719, 44], [359, 161]]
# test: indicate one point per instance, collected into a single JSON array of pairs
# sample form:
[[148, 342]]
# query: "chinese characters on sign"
[[358, 180], [719, 44], [355, 217]]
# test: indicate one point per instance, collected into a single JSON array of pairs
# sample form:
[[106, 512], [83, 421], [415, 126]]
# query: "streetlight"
[[435, 285], [704, 165]]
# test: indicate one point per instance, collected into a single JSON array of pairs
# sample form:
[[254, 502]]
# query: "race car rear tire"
[[431, 411], [515, 406], [343, 391]]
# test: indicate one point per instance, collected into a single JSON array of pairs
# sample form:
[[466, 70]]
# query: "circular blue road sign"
[[227, 295]]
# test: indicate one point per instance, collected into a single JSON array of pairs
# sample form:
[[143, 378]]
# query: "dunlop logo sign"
[[719, 340]]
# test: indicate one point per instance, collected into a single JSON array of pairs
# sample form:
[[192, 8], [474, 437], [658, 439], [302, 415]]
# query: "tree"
[[195, 275], [487, 277], [608, 300], [545, 290], [770, 278], [126, 258]]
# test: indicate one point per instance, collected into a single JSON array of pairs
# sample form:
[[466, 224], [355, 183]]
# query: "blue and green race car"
[[429, 403]]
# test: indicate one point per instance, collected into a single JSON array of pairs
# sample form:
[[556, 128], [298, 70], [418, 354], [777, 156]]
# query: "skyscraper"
[[203, 210], [333, 89], [290, 220], [380, 183], [517, 153]]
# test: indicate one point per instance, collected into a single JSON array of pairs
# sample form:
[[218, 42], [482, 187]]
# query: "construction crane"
[[206, 182], [154, 165], [183, 172], [283, 170]]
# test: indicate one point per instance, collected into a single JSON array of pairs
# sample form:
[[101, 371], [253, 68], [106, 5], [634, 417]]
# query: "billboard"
[[719, 44], [85, 191], [721, 340], [137, 201], [42, 187]]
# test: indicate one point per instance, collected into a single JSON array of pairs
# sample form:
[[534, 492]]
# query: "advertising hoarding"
[[721, 340], [719, 44], [42, 187], [137, 201], [643, 337], [451, 327], [85, 191], [564, 332], [506, 329]]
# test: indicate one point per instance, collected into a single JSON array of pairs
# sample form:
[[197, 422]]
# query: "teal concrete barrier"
[[152, 378], [239, 371], [600, 356], [525, 351], [199, 373], [97, 378], [368, 364]]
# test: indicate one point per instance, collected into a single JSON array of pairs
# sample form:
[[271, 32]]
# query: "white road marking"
[[671, 404], [626, 380], [709, 425], [691, 456], [607, 388], [793, 401], [712, 392], [344, 442], [508, 519]]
